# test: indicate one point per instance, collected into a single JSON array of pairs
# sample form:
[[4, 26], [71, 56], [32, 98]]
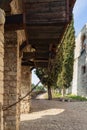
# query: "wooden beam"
[[29, 63], [37, 35], [41, 60], [28, 55], [14, 22], [23, 45], [35, 55], [42, 65], [44, 29], [42, 42], [38, 64]]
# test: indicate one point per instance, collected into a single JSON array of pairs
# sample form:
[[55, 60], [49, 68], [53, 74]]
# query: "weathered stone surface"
[[79, 75], [2, 17], [25, 88], [11, 81], [0, 116], [16, 6], [2, 21]]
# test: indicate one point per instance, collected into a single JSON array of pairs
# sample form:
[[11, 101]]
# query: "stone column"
[[25, 88], [11, 81], [2, 21]]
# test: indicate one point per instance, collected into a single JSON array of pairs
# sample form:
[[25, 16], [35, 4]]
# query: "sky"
[[80, 15], [80, 19]]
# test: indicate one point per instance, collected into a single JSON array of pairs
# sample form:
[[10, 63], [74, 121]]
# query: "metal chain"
[[15, 103]]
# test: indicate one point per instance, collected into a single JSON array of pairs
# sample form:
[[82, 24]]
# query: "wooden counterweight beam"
[[14, 22]]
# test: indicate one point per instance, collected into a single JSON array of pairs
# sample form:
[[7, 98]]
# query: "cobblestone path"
[[55, 115]]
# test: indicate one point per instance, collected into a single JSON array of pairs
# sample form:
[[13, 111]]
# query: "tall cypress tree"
[[61, 74], [65, 76]]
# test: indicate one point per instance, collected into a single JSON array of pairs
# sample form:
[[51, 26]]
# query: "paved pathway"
[[55, 115]]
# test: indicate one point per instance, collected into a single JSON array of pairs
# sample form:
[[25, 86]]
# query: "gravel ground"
[[55, 115]]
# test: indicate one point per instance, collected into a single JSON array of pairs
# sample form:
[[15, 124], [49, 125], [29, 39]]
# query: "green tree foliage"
[[65, 75], [38, 88], [61, 73]]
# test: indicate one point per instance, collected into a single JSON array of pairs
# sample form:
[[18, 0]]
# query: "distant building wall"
[[79, 86]]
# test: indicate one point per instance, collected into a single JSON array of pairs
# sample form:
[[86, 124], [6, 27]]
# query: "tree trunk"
[[63, 92], [49, 93]]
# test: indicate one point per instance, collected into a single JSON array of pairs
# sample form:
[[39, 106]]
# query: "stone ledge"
[[2, 17]]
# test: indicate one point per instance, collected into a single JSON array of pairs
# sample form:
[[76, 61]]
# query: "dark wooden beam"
[[42, 65], [23, 45], [41, 60], [28, 55], [5, 5], [38, 64], [63, 22], [28, 63], [36, 55], [45, 29], [36, 35], [14, 22], [43, 42]]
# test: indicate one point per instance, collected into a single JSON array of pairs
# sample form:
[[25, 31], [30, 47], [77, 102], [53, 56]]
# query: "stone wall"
[[0, 116], [11, 81], [79, 86], [2, 21], [17, 7], [25, 88], [82, 77]]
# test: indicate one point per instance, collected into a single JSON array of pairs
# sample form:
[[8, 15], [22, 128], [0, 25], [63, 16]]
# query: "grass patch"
[[73, 97], [56, 95], [78, 98], [70, 96]]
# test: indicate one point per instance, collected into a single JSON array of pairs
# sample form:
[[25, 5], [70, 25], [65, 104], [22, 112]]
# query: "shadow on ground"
[[54, 115]]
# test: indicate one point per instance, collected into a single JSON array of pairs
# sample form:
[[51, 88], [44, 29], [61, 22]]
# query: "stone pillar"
[[2, 21], [25, 88], [11, 81]]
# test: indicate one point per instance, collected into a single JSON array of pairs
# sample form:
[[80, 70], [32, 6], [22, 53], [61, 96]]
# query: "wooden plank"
[[38, 64], [47, 23], [43, 35], [41, 64], [42, 42], [45, 18], [45, 11], [29, 63], [41, 1], [45, 7], [44, 28], [37, 55], [42, 48], [28, 55], [41, 60]]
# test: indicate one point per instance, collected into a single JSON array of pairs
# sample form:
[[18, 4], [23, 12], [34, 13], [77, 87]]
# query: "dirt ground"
[[55, 115]]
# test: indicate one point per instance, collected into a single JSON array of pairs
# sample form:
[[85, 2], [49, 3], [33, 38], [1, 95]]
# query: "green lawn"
[[74, 97]]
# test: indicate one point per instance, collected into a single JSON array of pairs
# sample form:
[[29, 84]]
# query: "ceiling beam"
[[23, 45], [14, 22], [35, 55], [27, 63]]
